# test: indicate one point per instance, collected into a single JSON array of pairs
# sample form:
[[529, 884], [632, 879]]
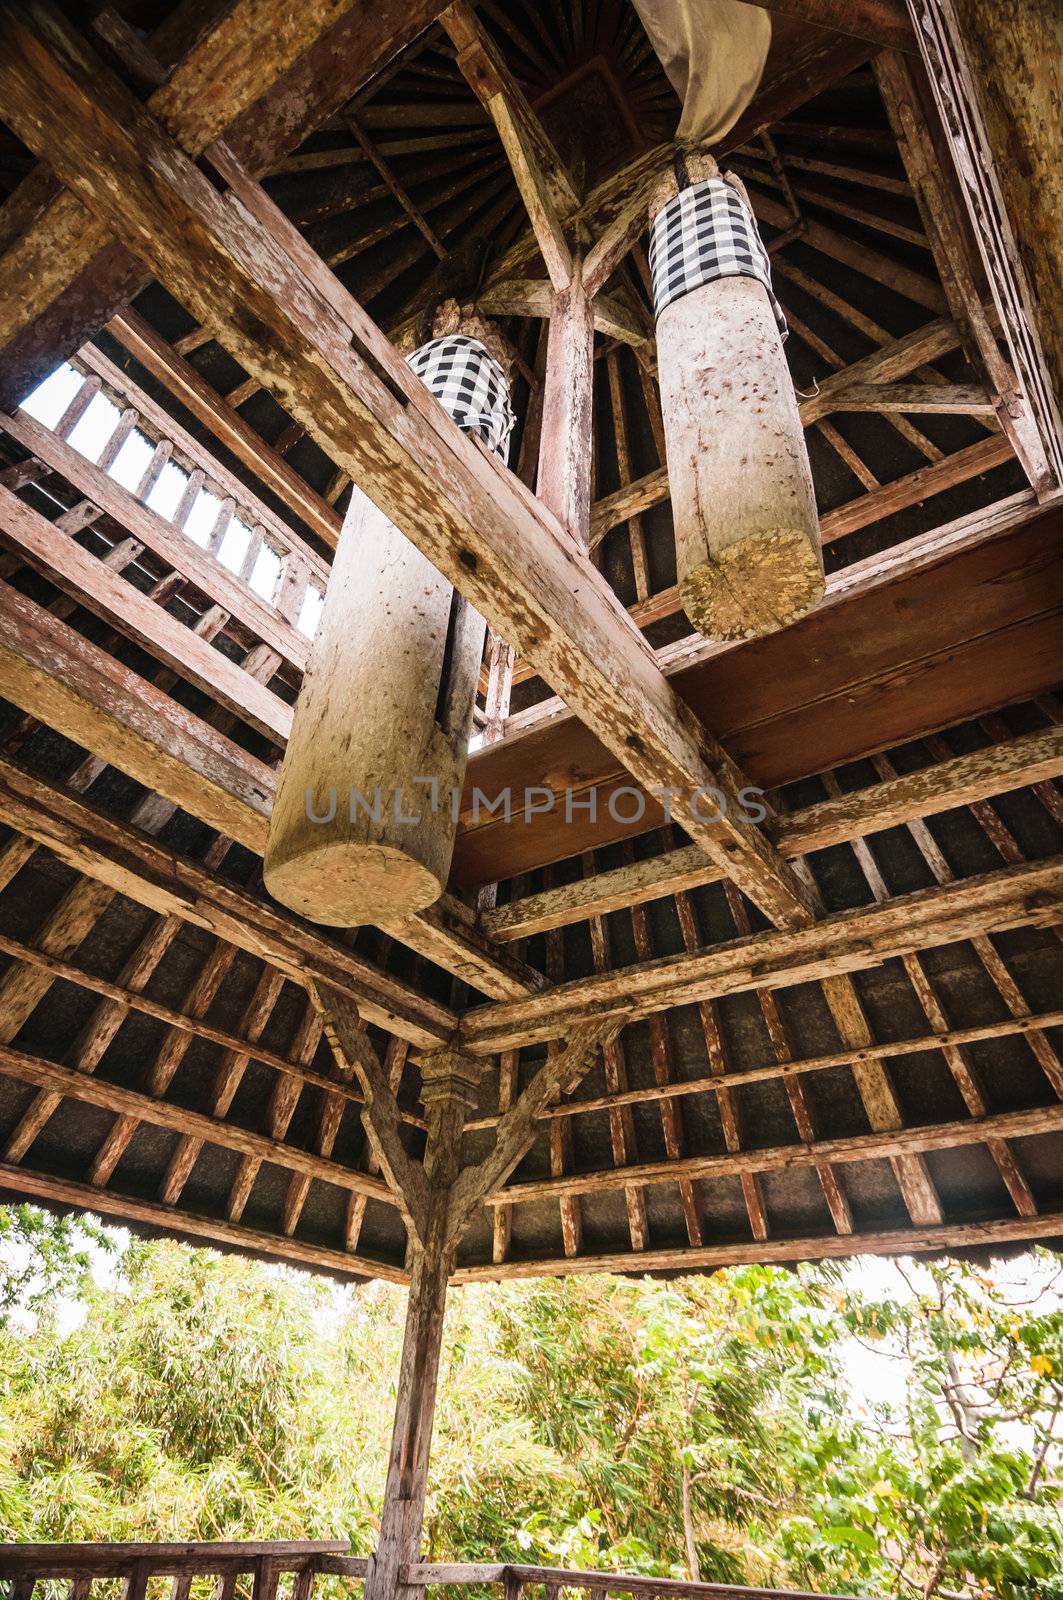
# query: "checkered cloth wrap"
[[469, 383], [706, 232]]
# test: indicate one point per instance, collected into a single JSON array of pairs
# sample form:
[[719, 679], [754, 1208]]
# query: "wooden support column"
[[449, 1081], [564, 480], [748, 554]]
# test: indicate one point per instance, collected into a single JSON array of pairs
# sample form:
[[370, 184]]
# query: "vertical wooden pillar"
[[564, 480], [747, 539], [364, 820], [449, 1081]]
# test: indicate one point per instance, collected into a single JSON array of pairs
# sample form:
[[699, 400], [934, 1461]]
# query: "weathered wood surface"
[[463, 511], [193, 1224], [95, 585], [942, 786], [75, 687], [357, 833], [77, 276], [791, 1068], [155, 533], [950, 1235], [894, 1143], [924, 149], [996, 71], [544, 185], [881, 22], [747, 541], [882, 665], [224, 421], [109, 1559], [842, 943], [222, 1132], [131, 863]]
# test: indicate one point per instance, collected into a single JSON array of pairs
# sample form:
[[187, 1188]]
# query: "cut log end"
[[346, 882], [754, 586]]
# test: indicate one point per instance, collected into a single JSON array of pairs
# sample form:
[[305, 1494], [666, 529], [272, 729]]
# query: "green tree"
[[703, 1427]]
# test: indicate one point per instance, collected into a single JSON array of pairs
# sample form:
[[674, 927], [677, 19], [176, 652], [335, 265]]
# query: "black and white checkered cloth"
[[469, 383], [706, 232]]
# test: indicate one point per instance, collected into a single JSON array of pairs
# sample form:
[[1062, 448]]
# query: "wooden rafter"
[[206, 246]]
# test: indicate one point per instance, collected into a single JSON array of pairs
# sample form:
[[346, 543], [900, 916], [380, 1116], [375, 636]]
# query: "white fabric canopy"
[[713, 52]]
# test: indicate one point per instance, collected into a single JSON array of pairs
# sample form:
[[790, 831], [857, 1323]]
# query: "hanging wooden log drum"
[[748, 552], [366, 810]]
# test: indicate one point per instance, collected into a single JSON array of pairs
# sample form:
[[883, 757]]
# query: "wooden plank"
[[545, 188], [1019, 1024], [614, 317], [878, 667], [925, 152], [844, 942], [947, 399], [470, 518], [895, 1242], [1003, 149], [108, 1559], [226, 1135], [225, 484], [84, 692], [943, 786]]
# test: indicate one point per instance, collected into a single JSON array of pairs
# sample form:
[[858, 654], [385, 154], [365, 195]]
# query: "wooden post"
[[366, 810], [564, 480], [746, 529], [387, 700], [448, 1089]]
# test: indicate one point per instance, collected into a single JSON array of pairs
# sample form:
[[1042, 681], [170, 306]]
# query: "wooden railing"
[[23, 1566], [514, 1579]]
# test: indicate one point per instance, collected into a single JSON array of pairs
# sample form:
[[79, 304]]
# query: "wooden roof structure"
[[834, 1032]]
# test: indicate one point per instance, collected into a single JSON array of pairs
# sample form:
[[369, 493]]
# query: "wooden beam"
[[1026, 1026], [75, 687], [935, 1240], [845, 942], [65, 277], [925, 153], [936, 478], [567, 440], [892, 1144], [381, 1117], [948, 399], [880, 22], [56, 1191], [470, 518], [90, 1089], [516, 1128], [159, 358], [545, 188], [155, 533], [615, 316], [996, 769], [96, 586], [133, 864]]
